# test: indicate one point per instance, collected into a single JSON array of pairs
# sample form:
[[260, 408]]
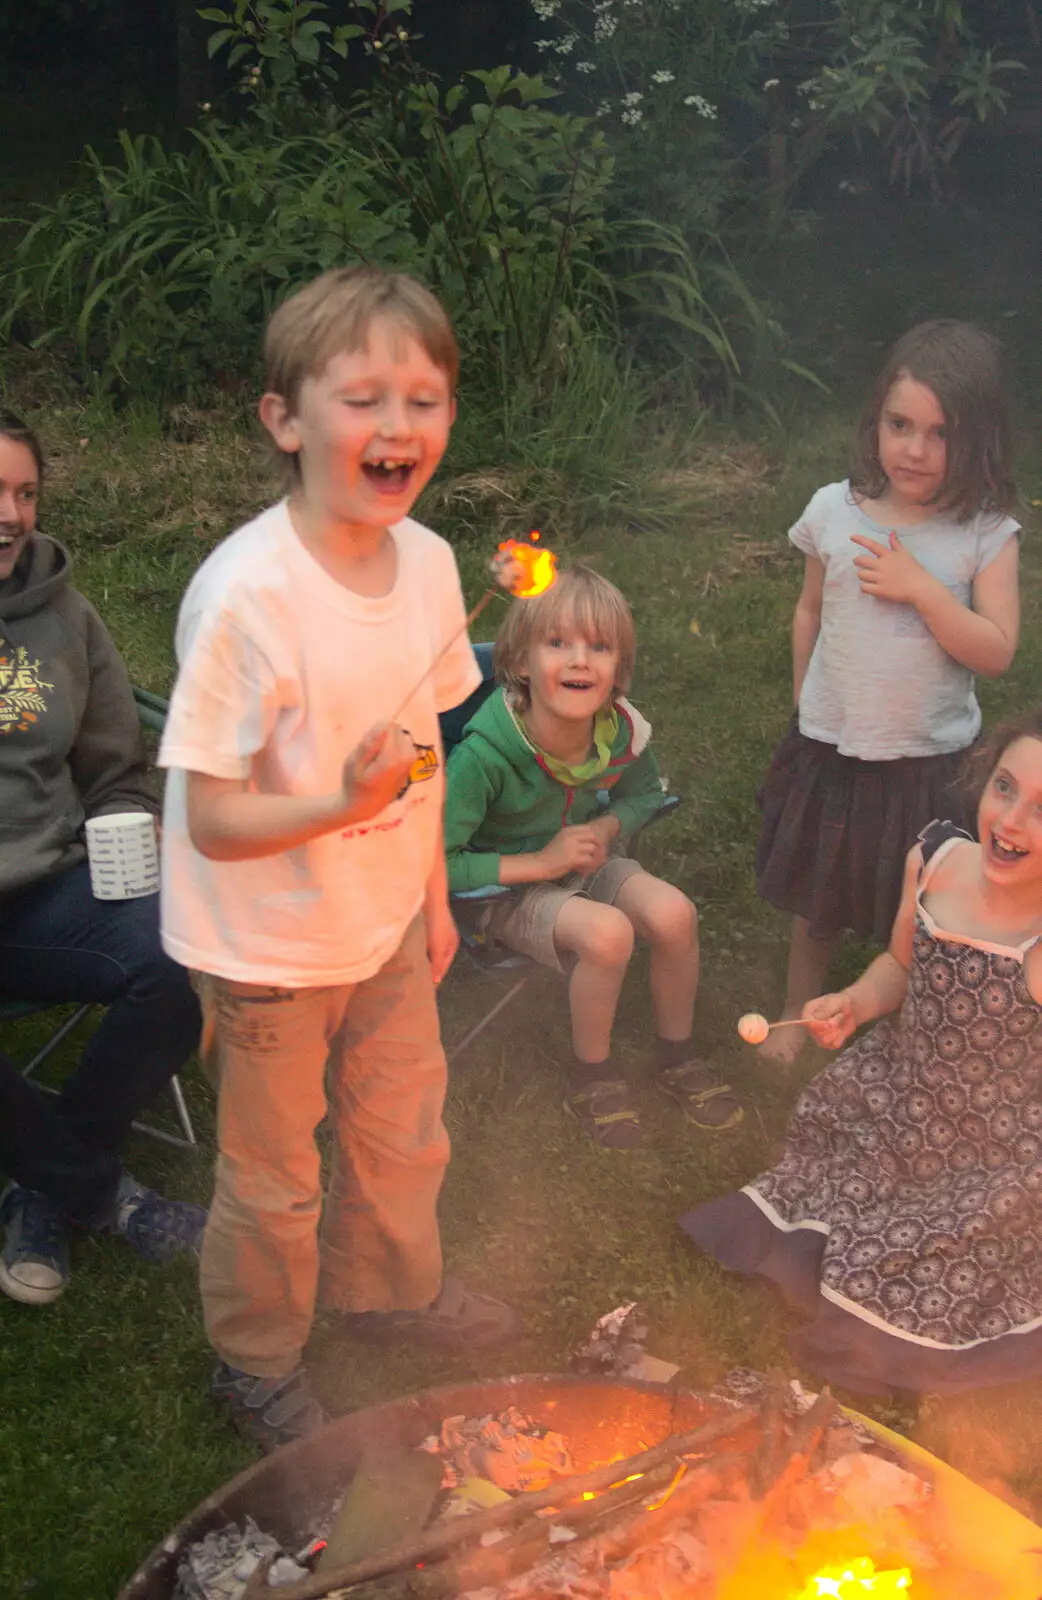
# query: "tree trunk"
[[194, 83]]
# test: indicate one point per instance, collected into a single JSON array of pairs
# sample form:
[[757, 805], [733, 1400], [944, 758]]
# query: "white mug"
[[123, 855]]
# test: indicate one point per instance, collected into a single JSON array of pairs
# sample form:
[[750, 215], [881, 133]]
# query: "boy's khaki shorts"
[[525, 923]]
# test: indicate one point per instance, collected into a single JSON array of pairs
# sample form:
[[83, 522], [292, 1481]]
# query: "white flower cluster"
[[808, 89], [605, 25], [605, 22], [752, 5]]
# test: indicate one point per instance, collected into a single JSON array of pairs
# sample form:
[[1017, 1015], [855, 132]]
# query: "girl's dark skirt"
[[836, 831]]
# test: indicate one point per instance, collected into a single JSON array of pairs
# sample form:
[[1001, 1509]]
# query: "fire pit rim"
[[1015, 1543], [211, 1512]]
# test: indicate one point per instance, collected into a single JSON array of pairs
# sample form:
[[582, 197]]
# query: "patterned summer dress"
[[906, 1211]]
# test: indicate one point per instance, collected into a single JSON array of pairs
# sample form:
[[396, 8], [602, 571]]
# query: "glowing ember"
[[856, 1579], [754, 1029], [590, 1494], [523, 569]]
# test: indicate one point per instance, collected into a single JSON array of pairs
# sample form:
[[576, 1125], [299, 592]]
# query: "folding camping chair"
[[152, 711], [468, 905]]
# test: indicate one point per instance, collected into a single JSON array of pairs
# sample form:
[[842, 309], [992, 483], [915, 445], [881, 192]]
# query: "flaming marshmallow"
[[523, 569], [753, 1028], [520, 568]]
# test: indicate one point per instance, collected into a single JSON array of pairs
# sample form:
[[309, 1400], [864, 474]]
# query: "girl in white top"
[[909, 590]]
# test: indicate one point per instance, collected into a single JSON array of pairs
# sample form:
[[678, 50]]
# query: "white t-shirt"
[[879, 686], [282, 670]]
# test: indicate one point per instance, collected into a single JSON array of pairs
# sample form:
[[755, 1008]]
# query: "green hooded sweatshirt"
[[502, 798]]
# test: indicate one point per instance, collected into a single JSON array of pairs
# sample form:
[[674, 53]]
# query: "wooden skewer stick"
[[472, 616], [788, 1022], [438, 1540]]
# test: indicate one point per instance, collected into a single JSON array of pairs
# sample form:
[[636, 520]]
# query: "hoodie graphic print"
[[70, 740]]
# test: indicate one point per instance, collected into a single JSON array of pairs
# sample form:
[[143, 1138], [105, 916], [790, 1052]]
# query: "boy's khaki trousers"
[[262, 1263]]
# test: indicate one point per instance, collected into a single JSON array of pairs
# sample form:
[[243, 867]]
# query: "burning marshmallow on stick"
[[523, 568]]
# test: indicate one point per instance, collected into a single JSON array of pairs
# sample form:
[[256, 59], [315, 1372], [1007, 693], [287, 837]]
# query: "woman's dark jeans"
[[57, 943]]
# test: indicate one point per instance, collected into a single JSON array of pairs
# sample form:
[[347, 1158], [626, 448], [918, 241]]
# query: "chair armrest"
[[670, 802], [151, 708], [491, 891]]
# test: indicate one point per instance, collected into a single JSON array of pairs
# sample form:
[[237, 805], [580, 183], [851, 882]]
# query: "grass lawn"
[[107, 1434]]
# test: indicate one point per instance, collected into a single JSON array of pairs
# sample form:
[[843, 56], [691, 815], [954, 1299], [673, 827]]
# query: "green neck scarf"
[[605, 732]]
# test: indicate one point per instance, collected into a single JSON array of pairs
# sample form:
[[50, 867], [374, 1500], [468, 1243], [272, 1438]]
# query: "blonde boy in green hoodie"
[[553, 775]]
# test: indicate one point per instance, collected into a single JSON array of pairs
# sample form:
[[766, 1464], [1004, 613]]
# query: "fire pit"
[[602, 1421]]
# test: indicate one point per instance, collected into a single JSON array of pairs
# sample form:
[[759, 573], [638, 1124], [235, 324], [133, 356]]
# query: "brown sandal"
[[708, 1105], [604, 1111]]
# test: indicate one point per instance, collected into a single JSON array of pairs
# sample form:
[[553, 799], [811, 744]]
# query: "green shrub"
[[715, 108], [161, 268]]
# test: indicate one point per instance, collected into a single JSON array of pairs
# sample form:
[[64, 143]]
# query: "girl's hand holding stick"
[[830, 1019]]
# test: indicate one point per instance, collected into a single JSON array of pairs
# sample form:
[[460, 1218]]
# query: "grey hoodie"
[[70, 740]]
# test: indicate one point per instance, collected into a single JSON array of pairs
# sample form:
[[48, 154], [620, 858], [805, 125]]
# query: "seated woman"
[[905, 1215], [71, 749]]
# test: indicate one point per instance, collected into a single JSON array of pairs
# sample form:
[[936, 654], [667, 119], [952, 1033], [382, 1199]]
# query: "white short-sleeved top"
[[282, 670], [879, 686]]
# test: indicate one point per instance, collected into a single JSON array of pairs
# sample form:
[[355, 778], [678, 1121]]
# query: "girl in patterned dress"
[[905, 1215], [910, 588]]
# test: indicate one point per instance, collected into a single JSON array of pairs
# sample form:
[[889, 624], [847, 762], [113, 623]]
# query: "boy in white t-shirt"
[[303, 870]]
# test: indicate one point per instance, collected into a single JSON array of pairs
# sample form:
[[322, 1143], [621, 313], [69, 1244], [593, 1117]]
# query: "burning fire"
[[854, 1580], [523, 569]]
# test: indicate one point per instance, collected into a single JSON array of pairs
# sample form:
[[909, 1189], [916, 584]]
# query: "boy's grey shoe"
[[156, 1228], [269, 1411], [458, 1320], [34, 1267]]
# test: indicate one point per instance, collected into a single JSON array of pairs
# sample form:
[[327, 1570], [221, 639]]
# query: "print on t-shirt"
[[423, 768]]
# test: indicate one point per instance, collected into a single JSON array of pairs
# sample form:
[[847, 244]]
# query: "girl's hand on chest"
[[889, 571]]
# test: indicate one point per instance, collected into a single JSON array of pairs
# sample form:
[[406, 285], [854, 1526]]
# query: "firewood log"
[[442, 1538]]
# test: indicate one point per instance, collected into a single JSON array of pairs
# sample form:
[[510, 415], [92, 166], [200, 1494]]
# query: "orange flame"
[[523, 569], [856, 1579]]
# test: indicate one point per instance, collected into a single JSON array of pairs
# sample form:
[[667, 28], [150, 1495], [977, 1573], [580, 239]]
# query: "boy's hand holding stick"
[[377, 770]]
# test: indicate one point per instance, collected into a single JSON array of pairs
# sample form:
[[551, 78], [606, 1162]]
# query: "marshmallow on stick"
[[520, 569], [754, 1029]]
